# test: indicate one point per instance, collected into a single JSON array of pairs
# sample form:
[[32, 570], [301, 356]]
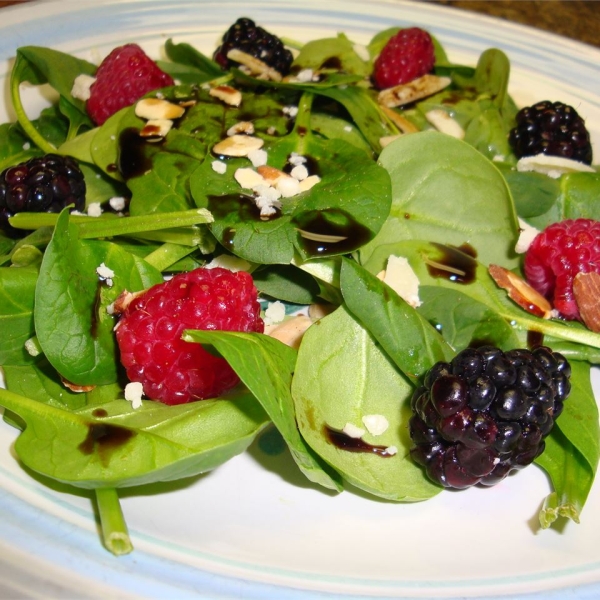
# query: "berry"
[[557, 255], [123, 77], [551, 128], [408, 55], [149, 333], [44, 184], [464, 436], [244, 35]]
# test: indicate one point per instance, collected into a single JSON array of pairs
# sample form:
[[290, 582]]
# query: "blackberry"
[[244, 35], [551, 128], [486, 413], [42, 184]]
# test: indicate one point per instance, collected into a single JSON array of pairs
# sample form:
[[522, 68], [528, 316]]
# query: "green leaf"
[[342, 375], [337, 53], [266, 366], [199, 67]]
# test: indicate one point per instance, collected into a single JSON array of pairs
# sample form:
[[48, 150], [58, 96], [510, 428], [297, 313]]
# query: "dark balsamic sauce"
[[330, 222], [333, 62], [133, 154], [99, 413], [343, 441], [454, 264], [105, 439], [534, 339]]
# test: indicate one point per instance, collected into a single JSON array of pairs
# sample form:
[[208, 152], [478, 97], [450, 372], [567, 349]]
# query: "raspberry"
[[551, 128], [556, 256], [149, 333], [44, 184], [486, 413], [244, 35], [123, 77], [407, 55]]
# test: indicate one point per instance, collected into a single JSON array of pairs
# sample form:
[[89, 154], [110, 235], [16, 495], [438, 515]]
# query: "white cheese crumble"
[[32, 347], [400, 276], [218, 166], [275, 313], [94, 209], [81, 87], [226, 261], [26, 146], [353, 431], [299, 172], [105, 273], [348, 128], [391, 450], [553, 166], [296, 159], [133, 393], [117, 203], [527, 234], [258, 158], [375, 424], [290, 111], [499, 158]]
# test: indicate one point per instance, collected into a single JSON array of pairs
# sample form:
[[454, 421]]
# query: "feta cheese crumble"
[[375, 424], [82, 86], [133, 393], [275, 313], [117, 203], [105, 274], [94, 209], [353, 431]]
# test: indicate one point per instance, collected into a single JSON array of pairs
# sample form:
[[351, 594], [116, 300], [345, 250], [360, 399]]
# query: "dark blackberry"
[[486, 413], [43, 184], [246, 36], [551, 128]]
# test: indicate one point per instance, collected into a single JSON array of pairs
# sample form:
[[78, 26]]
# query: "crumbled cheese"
[[33, 347], [290, 111], [94, 209], [391, 450], [271, 130], [400, 276], [362, 51], [218, 166], [117, 203], [300, 172], [553, 166], [104, 272], [133, 393], [375, 424], [110, 309], [275, 313], [258, 158], [353, 431], [296, 159], [81, 87], [26, 146], [226, 261], [527, 234], [348, 128], [499, 158]]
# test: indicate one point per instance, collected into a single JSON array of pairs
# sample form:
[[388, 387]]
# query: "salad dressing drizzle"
[[104, 439], [345, 442], [457, 264]]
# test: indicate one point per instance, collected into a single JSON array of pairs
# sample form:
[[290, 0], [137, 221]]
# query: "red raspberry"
[[123, 77], [149, 333], [408, 55], [556, 256]]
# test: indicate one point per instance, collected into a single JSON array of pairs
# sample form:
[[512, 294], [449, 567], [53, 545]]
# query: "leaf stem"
[[114, 529]]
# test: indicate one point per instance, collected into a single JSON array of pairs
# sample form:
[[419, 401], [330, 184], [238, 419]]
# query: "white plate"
[[255, 528]]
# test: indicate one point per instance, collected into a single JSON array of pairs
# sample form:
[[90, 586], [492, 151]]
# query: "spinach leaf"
[[266, 366], [71, 322], [287, 283], [370, 384], [116, 446], [17, 290], [431, 170], [198, 68], [337, 53]]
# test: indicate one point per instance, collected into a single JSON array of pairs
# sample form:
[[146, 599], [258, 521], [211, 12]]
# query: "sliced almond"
[[290, 332], [123, 300], [226, 94], [309, 183], [255, 66], [271, 174], [521, 292], [237, 145], [248, 178], [241, 127], [156, 128], [586, 289], [156, 108], [386, 140], [419, 88], [553, 166], [443, 122], [80, 389], [403, 124]]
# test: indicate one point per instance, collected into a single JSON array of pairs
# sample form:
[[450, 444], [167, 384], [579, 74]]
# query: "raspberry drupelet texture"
[[246, 36], [408, 55], [551, 128], [149, 333], [123, 77], [486, 413], [557, 255], [44, 184]]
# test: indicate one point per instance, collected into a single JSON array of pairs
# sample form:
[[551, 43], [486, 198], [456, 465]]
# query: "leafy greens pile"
[[419, 196]]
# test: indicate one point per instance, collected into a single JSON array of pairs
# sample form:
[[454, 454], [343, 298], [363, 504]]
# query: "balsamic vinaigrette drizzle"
[[105, 439], [345, 442], [456, 264]]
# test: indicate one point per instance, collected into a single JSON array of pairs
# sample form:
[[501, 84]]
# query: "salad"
[[324, 246]]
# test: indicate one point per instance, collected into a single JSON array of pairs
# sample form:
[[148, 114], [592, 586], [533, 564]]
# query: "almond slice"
[[156, 108], [255, 65], [521, 292], [226, 94], [416, 89], [237, 145], [586, 289], [403, 124], [444, 123]]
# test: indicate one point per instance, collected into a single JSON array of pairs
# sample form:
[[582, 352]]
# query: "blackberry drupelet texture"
[[557, 255], [551, 128], [246, 36], [44, 184], [149, 333], [486, 413]]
